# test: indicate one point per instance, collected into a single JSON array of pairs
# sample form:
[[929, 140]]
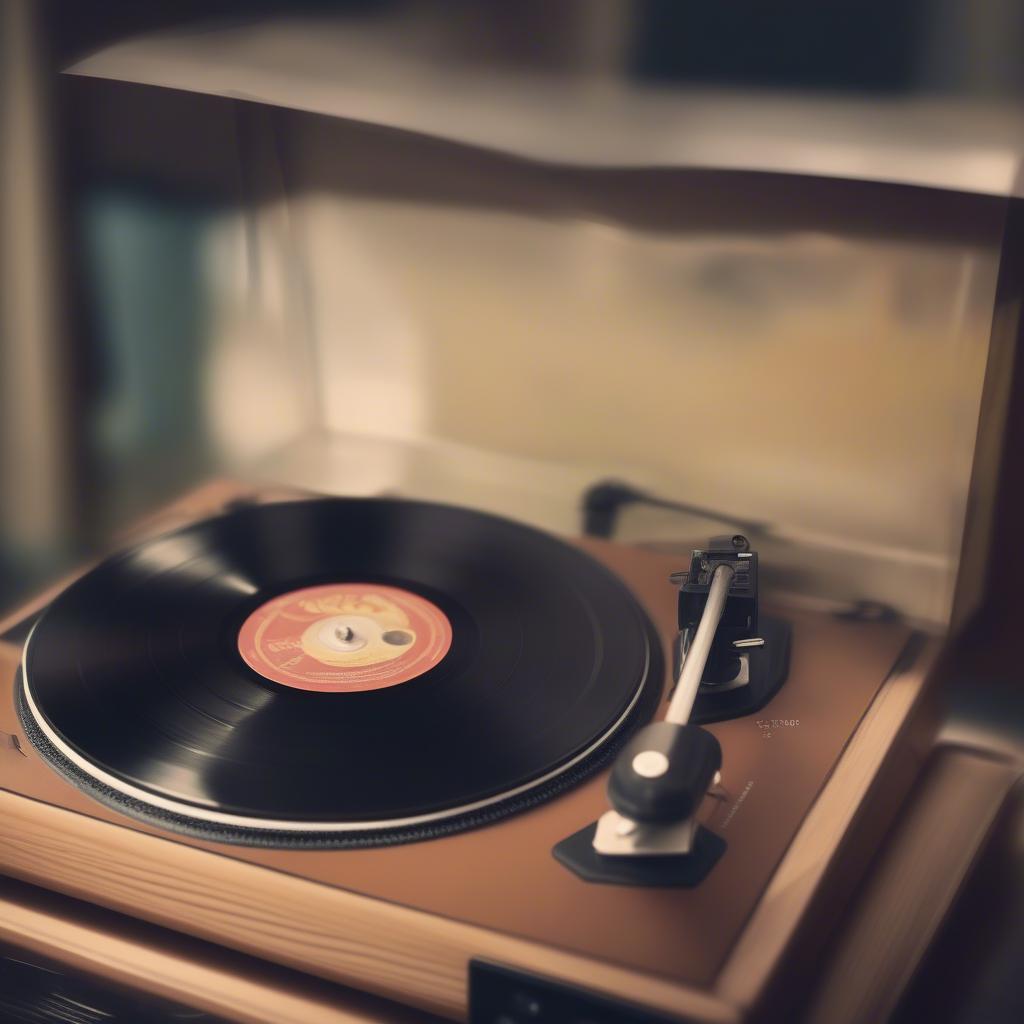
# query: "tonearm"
[[651, 834]]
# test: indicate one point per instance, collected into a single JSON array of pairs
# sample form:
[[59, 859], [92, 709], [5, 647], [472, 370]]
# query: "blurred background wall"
[[205, 283], [36, 532]]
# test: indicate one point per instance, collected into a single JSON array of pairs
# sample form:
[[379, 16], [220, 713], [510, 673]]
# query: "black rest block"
[[504, 995], [684, 870]]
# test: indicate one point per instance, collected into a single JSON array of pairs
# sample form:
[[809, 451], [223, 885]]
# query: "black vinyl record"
[[342, 671]]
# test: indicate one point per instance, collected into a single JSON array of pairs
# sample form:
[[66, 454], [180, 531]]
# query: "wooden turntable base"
[[404, 921]]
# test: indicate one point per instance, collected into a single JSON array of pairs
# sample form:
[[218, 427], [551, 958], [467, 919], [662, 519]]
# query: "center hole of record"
[[345, 637]]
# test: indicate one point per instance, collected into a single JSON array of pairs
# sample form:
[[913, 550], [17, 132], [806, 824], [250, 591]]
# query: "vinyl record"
[[341, 671]]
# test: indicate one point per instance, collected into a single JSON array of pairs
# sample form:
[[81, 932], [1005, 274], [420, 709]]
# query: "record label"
[[345, 637]]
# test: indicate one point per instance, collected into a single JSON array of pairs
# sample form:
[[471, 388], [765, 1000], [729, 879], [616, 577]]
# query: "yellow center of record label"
[[345, 637]]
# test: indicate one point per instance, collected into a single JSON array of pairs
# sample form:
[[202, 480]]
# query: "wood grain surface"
[[101, 944]]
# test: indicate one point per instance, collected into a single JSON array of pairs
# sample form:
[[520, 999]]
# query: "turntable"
[[606, 464], [409, 747]]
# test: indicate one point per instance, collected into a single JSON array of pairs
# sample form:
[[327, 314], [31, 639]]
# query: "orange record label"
[[345, 637]]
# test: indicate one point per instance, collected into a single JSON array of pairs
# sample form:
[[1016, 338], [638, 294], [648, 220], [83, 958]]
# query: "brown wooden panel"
[[166, 964], [499, 888]]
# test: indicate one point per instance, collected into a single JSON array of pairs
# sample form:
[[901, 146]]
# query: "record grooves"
[[338, 672]]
